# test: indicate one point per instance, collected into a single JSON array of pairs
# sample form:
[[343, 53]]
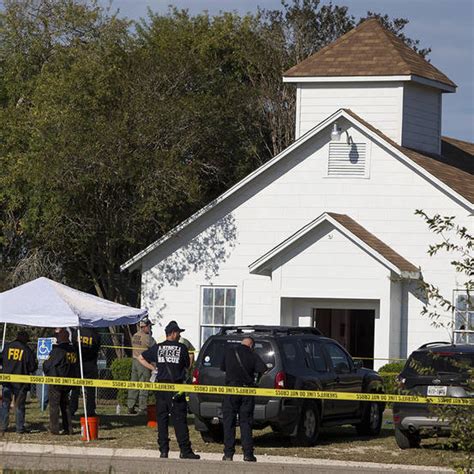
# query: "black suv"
[[436, 369], [297, 358]]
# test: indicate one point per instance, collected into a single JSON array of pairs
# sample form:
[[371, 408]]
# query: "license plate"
[[437, 391]]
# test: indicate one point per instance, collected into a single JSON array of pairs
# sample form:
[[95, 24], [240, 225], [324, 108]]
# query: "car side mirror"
[[358, 364]]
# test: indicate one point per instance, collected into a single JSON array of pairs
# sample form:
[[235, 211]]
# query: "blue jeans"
[[19, 391]]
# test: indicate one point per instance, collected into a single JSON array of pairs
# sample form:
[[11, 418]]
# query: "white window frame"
[[463, 317], [368, 153], [202, 324]]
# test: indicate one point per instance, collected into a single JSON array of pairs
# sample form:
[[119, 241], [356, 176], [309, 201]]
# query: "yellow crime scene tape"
[[225, 390], [131, 348]]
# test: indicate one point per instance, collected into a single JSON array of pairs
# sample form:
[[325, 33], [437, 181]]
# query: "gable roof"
[[454, 167], [367, 50], [355, 232], [462, 193]]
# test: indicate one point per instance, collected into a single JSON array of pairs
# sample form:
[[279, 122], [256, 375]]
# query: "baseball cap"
[[172, 326], [145, 322]]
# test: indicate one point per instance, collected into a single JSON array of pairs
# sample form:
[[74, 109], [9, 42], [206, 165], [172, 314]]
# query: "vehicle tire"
[[214, 434], [371, 423], [406, 440], [308, 425]]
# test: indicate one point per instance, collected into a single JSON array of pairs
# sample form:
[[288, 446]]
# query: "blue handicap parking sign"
[[45, 346]]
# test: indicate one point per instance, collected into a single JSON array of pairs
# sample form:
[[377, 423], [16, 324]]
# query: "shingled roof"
[[454, 167], [374, 242], [367, 50], [351, 229]]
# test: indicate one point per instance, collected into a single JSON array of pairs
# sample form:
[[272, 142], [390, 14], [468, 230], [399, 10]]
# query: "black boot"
[[189, 455]]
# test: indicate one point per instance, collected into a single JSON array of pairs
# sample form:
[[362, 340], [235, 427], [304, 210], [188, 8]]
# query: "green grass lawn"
[[128, 431]]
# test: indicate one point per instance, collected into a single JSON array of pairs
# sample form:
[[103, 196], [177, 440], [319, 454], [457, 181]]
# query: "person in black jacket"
[[171, 359], [63, 361], [240, 364], [90, 346], [18, 359]]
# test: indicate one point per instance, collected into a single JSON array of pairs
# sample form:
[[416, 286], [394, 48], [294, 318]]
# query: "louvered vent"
[[347, 159]]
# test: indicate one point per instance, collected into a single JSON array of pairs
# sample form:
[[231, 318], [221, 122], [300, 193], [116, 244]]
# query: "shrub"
[[389, 380], [122, 370]]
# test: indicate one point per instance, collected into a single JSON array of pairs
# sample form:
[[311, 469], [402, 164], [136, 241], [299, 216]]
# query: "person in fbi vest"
[[63, 361], [90, 347], [18, 359]]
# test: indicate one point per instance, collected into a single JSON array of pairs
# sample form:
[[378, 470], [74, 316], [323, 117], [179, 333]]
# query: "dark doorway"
[[352, 328]]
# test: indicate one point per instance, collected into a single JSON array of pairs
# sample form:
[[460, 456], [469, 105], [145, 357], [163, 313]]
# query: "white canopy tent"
[[46, 303]]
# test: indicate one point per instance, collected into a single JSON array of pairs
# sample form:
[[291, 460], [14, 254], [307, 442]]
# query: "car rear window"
[[215, 350], [430, 363]]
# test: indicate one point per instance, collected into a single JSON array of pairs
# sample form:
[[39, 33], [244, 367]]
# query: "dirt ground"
[[342, 443]]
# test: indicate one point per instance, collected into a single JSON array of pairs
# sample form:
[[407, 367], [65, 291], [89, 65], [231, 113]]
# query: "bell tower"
[[372, 72]]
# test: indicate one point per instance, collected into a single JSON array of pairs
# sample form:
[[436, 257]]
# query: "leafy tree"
[[111, 133]]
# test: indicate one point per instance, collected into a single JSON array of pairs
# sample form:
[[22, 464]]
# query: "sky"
[[446, 26]]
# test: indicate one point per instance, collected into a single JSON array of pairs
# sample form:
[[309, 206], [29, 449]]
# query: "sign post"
[[43, 349]]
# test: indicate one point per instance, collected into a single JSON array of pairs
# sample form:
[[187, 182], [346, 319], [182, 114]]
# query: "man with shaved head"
[[241, 365]]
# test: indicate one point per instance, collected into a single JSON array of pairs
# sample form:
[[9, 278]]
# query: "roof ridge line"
[[334, 43], [396, 42], [393, 39]]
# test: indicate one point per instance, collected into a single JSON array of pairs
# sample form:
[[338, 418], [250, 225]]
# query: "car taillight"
[[280, 380], [196, 377]]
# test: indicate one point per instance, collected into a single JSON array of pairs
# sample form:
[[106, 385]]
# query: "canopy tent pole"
[[82, 377], [4, 335]]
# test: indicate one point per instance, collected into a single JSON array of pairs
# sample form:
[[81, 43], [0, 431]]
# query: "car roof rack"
[[275, 330], [428, 344]]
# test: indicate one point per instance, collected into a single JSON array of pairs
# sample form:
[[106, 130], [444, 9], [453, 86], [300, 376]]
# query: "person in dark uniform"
[[171, 359], [90, 346], [240, 364], [18, 359], [63, 361]]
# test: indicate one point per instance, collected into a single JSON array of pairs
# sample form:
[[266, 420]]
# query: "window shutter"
[[347, 159]]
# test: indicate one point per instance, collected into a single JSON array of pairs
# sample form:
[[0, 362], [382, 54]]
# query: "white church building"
[[325, 233]]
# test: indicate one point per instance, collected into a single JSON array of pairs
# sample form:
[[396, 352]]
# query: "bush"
[[122, 370], [389, 380]]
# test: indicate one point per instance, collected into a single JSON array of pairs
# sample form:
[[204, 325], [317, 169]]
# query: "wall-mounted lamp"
[[336, 133]]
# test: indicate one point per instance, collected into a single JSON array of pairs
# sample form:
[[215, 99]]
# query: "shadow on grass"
[[121, 421], [328, 436]]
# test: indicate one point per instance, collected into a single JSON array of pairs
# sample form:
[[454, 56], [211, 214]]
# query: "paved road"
[[76, 459]]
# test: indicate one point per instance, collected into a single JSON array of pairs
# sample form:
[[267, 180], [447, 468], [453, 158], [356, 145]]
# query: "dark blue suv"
[[297, 358]]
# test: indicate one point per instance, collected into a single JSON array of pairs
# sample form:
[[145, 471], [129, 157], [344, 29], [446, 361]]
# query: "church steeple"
[[374, 73]]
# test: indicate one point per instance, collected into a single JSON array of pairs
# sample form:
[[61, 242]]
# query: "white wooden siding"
[[421, 118], [380, 104], [328, 262], [290, 195]]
